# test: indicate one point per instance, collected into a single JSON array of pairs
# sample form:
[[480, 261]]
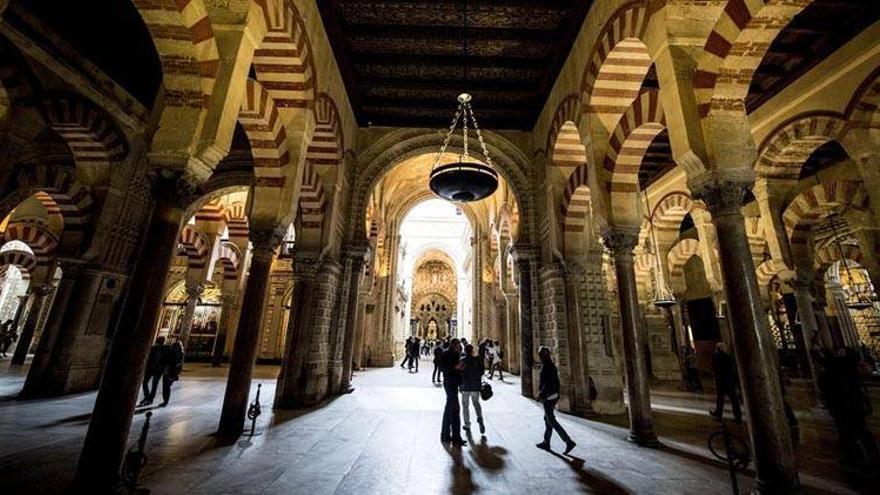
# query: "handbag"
[[486, 391]]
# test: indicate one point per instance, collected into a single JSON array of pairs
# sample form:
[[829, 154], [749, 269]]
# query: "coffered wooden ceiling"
[[403, 61]]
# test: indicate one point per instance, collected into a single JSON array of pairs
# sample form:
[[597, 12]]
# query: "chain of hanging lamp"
[[861, 300], [464, 113], [662, 295]]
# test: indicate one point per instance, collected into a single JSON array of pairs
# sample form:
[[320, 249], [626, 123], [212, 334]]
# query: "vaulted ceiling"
[[403, 61]]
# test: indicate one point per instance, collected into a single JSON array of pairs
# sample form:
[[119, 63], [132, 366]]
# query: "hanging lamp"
[[468, 179], [860, 300], [663, 297]]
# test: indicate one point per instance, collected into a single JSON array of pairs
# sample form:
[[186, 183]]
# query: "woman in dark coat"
[[548, 394]]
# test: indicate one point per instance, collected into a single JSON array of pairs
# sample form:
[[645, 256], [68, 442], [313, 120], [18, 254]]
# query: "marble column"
[[230, 305], [39, 294], [357, 258], [36, 383], [775, 463], [512, 337], [578, 357], [524, 259], [244, 352], [193, 292], [106, 438], [621, 242]]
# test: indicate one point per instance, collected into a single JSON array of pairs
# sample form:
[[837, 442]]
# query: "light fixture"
[[859, 299], [663, 297], [468, 179]]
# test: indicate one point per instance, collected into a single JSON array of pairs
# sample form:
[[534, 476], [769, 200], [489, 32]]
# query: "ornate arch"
[[284, 62], [735, 48], [784, 151], [767, 270], [563, 139], [328, 143], [829, 254], [671, 210], [813, 204], [23, 260], [93, 138], [43, 243], [638, 126], [195, 246], [681, 252], [864, 108], [265, 131], [617, 64], [230, 257], [72, 200]]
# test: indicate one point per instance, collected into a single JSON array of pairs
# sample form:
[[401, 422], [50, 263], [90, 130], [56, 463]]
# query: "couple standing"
[[165, 362]]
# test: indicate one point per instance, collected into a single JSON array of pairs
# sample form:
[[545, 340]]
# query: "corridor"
[[380, 439]]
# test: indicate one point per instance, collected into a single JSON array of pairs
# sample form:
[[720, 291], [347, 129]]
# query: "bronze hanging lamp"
[[859, 300], [663, 297], [468, 179]]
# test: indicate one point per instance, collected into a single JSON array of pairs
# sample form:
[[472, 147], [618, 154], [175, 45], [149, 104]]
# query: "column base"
[[644, 438]]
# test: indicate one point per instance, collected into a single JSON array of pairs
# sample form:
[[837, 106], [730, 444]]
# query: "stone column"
[[36, 383], [775, 464], [359, 336], [305, 270], [193, 292], [105, 441], [524, 260], [512, 337], [621, 242], [230, 305], [244, 352], [39, 293], [357, 258], [574, 274]]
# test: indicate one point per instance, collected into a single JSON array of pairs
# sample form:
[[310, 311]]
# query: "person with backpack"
[[472, 382], [548, 394]]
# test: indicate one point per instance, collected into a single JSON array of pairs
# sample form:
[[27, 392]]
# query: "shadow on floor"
[[462, 480], [591, 480]]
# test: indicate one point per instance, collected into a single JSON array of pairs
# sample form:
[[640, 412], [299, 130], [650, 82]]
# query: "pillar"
[[621, 242], [39, 294], [775, 464], [359, 336], [193, 292], [355, 256], [37, 383], [105, 440], [574, 275], [230, 305], [264, 241], [512, 335], [524, 259]]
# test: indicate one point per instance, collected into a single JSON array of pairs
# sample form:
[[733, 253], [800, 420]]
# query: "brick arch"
[[42, 242], [68, 197], [328, 143], [812, 205], [681, 252], [563, 139], [829, 254], [195, 246], [637, 127], [671, 210], [784, 151], [735, 48], [230, 257], [755, 235], [767, 270], [265, 131], [284, 61], [617, 64], [237, 222], [311, 200], [864, 108], [93, 137], [184, 40], [23, 260]]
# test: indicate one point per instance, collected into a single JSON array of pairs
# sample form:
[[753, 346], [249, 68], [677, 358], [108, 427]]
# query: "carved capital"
[[723, 193], [194, 291], [266, 240], [306, 265], [357, 252], [621, 240]]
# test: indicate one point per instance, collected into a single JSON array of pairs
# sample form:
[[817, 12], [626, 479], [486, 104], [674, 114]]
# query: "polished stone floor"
[[381, 439]]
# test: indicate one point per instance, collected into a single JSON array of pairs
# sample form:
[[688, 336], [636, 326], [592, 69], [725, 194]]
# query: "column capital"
[[306, 265], [621, 240], [357, 252], [266, 240], [194, 290], [523, 253], [723, 191], [173, 187]]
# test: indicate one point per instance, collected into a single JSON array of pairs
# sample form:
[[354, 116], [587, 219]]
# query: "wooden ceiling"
[[403, 61]]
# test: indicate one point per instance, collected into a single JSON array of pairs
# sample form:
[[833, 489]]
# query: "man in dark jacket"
[[406, 356], [414, 345], [173, 367], [548, 393], [438, 352], [450, 363], [154, 369], [472, 381], [725, 382]]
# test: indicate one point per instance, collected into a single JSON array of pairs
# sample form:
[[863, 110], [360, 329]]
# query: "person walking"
[[154, 370], [8, 336], [452, 367], [173, 367], [472, 381], [548, 394], [438, 352], [495, 357], [725, 382], [414, 353], [406, 356]]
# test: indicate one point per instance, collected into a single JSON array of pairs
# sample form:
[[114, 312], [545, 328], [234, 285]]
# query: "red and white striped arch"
[[283, 61], [814, 204], [66, 196], [735, 48], [638, 126], [195, 245], [757, 239], [230, 257], [767, 270], [786, 149], [23, 260], [563, 140], [184, 40], [92, 137], [311, 199], [237, 222], [678, 256], [864, 107], [671, 210], [265, 131], [830, 253], [327, 146], [52, 208], [576, 200], [42, 242], [617, 65]]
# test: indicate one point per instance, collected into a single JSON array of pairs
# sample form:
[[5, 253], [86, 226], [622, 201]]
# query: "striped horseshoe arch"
[[812, 205], [864, 108], [828, 254], [262, 124], [638, 126], [678, 256], [23, 260], [195, 247], [767, 270], [56, 187], [237, 223], [229, 256], [671, 210], [91, 136], [563, 139], [43, 243], [283, 61], [327, 144], [784, 152], [311, 200], [617, 65]]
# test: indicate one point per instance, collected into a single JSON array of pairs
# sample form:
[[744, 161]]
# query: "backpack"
[[486, 391]]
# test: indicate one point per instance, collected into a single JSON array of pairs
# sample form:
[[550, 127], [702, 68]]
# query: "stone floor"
[[382, 439]]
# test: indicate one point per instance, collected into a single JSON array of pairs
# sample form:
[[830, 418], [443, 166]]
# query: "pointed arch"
[[786, 149], [284, 62]]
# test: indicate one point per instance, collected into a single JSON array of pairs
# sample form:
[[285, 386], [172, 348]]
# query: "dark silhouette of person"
[[548, 394], [406, 356], [472, 382], [692, 374], [452, 366], [414, 346], [725, 382], [438, 352], [154, 370], [495, 356], [173, 367]]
